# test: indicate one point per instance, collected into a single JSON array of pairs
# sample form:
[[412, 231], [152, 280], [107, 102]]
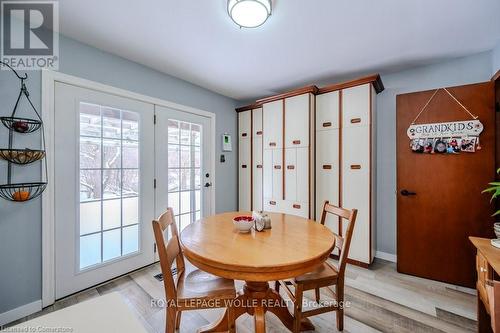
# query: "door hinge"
[[154, 183], [154, 119], [154, 248]]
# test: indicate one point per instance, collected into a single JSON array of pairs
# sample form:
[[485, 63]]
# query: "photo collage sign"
[[445, 138]]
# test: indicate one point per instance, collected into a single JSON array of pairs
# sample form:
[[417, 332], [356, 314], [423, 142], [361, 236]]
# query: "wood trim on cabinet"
[[496, 76], [311, 159], [248, 107], [370, 171], [251, 160], [340, 161], [300, 91], [283, 149], [374, 79]]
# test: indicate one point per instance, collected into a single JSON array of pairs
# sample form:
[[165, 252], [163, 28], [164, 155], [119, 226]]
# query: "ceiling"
[[303, 42]]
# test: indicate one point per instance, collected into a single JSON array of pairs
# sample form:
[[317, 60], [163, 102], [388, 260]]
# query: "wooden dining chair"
[[190, 289], [326, 275]]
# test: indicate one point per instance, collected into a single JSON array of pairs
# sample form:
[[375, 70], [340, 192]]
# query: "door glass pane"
[[109, 183], [111, 214], [130, 239], [184, 170], [90, 250], [111, 244]]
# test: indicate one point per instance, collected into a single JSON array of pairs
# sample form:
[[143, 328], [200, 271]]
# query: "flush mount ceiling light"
[[249, 13]]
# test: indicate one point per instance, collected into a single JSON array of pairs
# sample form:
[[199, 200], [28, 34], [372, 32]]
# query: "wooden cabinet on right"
[[344, 162]]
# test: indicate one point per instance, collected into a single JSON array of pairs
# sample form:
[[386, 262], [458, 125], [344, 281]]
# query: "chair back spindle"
[[170, 252], [342, 243]]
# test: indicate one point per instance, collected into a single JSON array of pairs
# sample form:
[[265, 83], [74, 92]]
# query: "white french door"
[[118, 164], [104, 186], [184, 162]]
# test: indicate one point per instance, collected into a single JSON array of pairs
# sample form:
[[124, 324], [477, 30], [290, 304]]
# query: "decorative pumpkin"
[[21, 195]]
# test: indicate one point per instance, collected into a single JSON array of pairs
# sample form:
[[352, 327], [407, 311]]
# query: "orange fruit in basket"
[[21, 195]]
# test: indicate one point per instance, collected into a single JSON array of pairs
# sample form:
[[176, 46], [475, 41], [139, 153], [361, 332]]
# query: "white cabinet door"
[[257, 122], [244, 185], [244, 124], [273, 124], [277, 174], [295, 208], [297, 121], [257, 173], [327, 170], [356, 187], [291, 174], [267, 174], [356, 103], [302, 167], [327, 111]]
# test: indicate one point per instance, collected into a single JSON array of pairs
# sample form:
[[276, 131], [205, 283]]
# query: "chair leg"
[[231, 320], [171, 315], [297, 308], [340, 304], [178, 320], [317, 295], [277, 286]]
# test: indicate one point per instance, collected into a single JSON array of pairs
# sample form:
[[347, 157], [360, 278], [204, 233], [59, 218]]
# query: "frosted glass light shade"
[[249, 13]]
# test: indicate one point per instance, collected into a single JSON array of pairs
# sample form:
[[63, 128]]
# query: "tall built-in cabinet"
[[308, 147]]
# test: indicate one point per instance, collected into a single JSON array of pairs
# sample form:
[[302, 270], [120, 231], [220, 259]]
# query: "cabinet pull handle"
[[259, 133], [290, 167], [277, 167], [355, 166], [296, 142], [296, 206], [244, 166], [327, 124], [259, 166], [243, 134], [272, 144], [355, 120], [327, 166], [272, 203]]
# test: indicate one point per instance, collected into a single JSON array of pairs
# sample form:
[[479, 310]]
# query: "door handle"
[[208, 184], [407, 193]]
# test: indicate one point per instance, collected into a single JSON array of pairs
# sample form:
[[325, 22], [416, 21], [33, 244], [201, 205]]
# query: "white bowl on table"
[[243, 223]]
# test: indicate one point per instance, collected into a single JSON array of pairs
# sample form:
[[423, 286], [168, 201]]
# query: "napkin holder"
[[262, 218]]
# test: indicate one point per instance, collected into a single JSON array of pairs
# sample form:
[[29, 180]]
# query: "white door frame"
[[49, 78]]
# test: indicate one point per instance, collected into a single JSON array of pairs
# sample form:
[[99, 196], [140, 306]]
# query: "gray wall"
[[20, 224], [496, 58], [472, 69]]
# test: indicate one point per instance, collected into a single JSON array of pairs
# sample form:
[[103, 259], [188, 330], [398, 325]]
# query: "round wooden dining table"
[[293, 246]]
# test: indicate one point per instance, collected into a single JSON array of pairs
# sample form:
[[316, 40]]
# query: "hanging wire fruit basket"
[[22, 156], [22, 191], [21, 125]]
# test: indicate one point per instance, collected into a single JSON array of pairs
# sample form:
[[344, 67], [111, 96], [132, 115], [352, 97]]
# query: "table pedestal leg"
[[256, 299]]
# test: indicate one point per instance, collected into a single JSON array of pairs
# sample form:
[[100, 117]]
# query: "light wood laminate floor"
[[381, 300]]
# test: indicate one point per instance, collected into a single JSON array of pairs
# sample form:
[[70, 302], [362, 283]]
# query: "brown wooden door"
[[433, 225]]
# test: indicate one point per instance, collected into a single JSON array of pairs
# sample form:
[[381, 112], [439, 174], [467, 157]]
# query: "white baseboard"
[[20, 312], [386, 256]]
